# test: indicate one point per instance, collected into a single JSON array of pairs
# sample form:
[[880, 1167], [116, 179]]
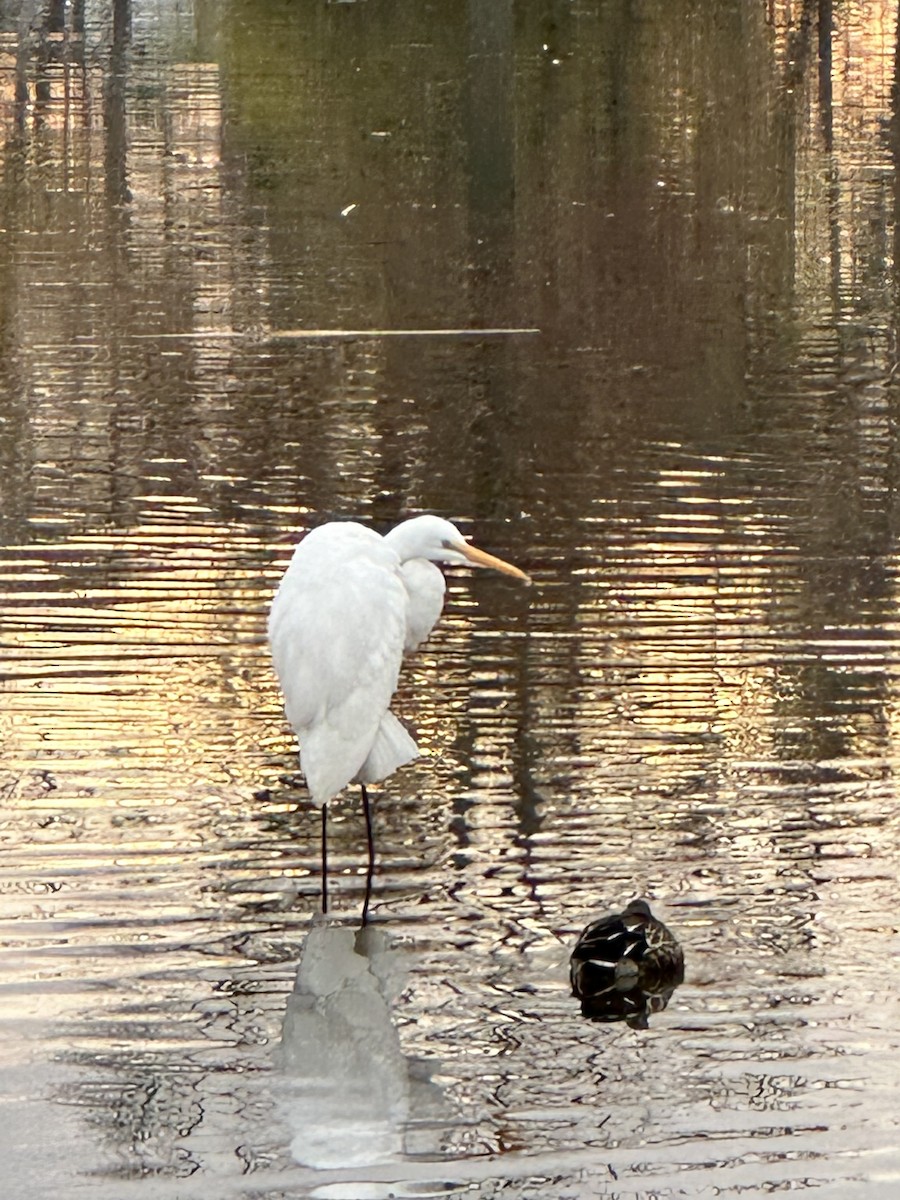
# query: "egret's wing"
[[337, 630], [425, 587]]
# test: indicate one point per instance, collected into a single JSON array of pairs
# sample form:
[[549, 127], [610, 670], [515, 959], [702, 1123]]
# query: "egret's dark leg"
[[324, 858], [370, 843]]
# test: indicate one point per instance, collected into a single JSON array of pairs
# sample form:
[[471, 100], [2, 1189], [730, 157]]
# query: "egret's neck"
[[405, 540]]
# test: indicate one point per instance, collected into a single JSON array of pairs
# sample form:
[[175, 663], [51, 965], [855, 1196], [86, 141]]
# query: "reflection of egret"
[[625, 966], [352, 1093], [350, 603]]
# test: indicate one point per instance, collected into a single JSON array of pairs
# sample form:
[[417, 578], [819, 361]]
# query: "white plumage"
[[349, 605]]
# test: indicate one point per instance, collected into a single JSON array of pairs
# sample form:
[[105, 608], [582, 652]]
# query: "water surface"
[[689, 215]]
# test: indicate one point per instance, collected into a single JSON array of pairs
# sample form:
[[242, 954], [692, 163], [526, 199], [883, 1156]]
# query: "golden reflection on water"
[[134, 646]]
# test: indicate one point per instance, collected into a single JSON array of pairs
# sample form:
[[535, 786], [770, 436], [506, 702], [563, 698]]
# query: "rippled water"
[[686, 218]]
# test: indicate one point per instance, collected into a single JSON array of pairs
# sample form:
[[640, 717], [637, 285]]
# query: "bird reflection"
[[352, 1093], [626, 966]]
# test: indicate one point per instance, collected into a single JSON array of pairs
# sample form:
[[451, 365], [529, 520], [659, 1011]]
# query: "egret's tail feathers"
[[328, 755], [392, 748]]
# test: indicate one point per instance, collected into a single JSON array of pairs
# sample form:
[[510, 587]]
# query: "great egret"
[[348, 606]]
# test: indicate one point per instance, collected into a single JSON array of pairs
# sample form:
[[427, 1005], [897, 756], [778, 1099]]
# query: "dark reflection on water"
[[695, 458]]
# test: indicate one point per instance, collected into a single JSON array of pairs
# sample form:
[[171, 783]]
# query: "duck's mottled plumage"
[[626, 965]]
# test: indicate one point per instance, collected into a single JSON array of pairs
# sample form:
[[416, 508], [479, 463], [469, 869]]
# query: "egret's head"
[[440, 541]]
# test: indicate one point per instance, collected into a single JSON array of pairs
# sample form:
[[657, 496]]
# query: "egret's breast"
[[425, 586]]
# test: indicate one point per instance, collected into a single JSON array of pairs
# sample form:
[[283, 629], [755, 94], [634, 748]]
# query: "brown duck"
[[626, 966]]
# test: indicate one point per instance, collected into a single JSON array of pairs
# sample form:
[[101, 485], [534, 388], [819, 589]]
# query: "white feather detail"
[[337, 629], [393, 747], [425, 587]]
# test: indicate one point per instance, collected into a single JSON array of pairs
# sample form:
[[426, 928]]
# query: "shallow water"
[[686, 222]]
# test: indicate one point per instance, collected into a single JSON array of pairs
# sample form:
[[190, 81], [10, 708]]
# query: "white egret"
[[348, 606]]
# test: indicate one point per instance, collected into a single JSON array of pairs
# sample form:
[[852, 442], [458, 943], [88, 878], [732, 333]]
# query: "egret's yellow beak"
[[479, 558]]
